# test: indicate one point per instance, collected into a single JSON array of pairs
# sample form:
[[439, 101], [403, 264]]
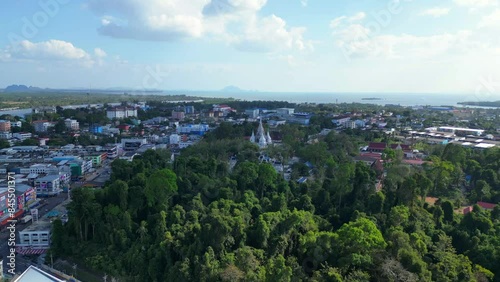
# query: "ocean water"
[[403, 99]]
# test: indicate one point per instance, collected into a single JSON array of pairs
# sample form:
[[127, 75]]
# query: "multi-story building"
[[16, 124], [252, 113], [189, 110], [48, 185], [22, 135], [42, 125], [96, 129], [36, 235], [121, 112], [179, 115], [285, 111], [72, 124], [133, 144], [5, 135], [4, 125], [198, 129]]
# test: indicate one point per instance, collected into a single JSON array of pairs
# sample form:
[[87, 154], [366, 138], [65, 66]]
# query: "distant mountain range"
[[113, 90], [22, 88]]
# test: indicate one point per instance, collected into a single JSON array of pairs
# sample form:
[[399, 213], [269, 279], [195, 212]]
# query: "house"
[[377, 147], [484, 205], [341, 120]]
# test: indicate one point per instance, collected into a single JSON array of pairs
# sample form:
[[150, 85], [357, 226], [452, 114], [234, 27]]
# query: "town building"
[[5, 135], [178, 115], [189, 110], [252, 113], [133, 144], [5, 125], [36, 274], [262, 139], [72, 124], [42, 125], [49, 185], [285, 111], [22, 135], [121, 112], [96, 129], [196, 129]]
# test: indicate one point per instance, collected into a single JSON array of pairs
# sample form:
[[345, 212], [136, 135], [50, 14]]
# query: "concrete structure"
[[49, 185], [456, 130], [4, 125], [299, 118], [252, 113], [189, 110], [22, 135], [42, 125], [96, 129], [179, 115], [197, 129], [34, 274], [121, 112], [133, 144], [285, 111], [72, 124], [5, 135], [36, 235], [45, 110]]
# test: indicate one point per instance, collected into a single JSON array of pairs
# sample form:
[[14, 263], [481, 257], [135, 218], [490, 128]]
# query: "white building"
[[174, 139], [285, 111], [262, 139], [36, 235], [42, 125], [22, 135], [121, 112], [48, 185], [5, 135], [35, 274], [16, 123], [72, 124], [252, 113]]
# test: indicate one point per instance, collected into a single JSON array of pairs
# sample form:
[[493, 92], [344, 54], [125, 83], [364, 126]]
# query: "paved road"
[[22, 262]]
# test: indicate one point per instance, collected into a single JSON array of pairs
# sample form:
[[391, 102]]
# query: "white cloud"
[[476, 5], [234, 21], [100, 53], [436, 12], [50, 51], [271, 34], [491, 20], [356, 40]]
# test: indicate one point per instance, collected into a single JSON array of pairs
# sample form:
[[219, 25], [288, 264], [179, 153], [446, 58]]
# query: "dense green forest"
[[200, 219]]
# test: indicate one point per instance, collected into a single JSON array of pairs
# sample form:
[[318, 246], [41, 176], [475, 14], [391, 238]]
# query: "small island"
[[371, 99]]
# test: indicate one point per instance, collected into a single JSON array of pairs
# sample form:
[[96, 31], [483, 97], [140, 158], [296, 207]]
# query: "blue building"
[[189, 110], [96, 129]]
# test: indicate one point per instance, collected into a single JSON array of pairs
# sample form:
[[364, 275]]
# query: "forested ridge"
[[200, 219]]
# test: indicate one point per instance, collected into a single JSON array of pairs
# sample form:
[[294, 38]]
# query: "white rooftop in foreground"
[[33, 274]]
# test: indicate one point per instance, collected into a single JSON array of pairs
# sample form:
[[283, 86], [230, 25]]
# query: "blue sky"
[[449, 46]]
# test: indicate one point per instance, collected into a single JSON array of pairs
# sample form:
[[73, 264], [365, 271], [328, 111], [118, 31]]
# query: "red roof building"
[[486, 206]]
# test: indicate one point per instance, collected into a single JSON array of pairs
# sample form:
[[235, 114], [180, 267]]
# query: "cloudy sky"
[[447, 46]]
